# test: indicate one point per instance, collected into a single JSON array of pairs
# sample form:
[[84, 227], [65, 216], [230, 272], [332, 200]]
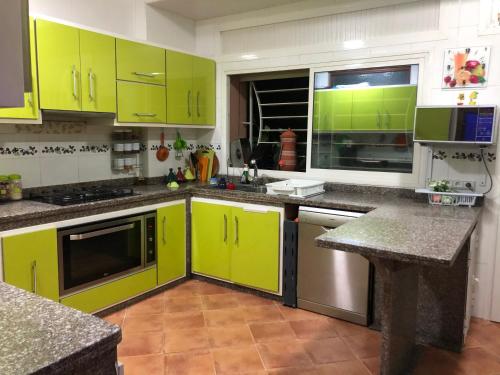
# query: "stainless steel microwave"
[[455, 124], [91, 254]]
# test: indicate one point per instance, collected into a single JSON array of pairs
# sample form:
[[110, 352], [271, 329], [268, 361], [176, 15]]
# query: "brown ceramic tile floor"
[[200, 328]]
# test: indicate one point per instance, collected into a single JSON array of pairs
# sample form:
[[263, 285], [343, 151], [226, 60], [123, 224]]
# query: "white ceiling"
[[204, 9]]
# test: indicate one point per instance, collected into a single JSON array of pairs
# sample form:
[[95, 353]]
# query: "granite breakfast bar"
[[421, 256]]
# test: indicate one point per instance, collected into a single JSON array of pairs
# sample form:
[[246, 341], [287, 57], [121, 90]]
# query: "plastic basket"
[[450, 198]]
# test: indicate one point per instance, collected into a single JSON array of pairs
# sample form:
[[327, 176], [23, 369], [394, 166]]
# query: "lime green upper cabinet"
[[399, 108], [255, 255], [367, 109], [30, 109], [97, 54], [139, 102], [210, 246], [171, 241], [203, 91], [30, 262], [58, 51], [180, 96], [139, 62], [332, 110]]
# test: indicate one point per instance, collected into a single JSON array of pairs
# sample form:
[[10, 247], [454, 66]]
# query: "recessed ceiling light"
[[353, 44], [249, 56]]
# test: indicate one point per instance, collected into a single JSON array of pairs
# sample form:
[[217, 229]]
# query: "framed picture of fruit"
[[466, 67]]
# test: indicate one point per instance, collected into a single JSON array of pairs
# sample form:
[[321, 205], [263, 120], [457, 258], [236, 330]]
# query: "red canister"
[[288, 155]]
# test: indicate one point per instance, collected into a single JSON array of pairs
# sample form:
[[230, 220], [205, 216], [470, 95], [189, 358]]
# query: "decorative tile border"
[[94, 148], [467, 156], [60, 150], [19, 151]]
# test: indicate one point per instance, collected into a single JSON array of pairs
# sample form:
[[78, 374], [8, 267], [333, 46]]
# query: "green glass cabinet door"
[[210, 236], [30, 109], [140, 62], [367, 109], [255, 255], [322, 117], [171, 242], [30, 262], [180, 97], [97, 55], [140, 102], [203, 91], [399, 108], [58, 51]]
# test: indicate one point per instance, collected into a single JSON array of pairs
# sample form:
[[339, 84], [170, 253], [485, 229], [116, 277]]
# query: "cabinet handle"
[[388, 118], [198, 103], [144, 114], [164, 231], [189, 103], [146, 74], [33, 277], [225, 228], [237, 230], [378, 119], [91, 85], [75, 88], [30, 99]]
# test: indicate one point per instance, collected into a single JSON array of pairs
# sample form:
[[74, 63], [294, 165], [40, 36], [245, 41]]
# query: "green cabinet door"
[[180, 97], [30, 262], [171, 242], [399, 108], [98, 77], [140, 102], [203, 91], [255, 255], [58, 51], [30, 109], [322, 116], [342, 109], [210, 239], [367, 109], [140, 62]]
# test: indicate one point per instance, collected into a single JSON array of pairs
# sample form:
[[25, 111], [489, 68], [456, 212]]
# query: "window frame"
[[362, 176]]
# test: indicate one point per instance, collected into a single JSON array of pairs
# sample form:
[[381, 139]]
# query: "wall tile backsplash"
[[69, 152]]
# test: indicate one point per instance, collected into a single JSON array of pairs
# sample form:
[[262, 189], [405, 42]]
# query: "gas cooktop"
[[82, 195]]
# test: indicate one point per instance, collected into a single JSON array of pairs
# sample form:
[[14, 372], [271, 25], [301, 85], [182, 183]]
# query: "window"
[[363, 119]]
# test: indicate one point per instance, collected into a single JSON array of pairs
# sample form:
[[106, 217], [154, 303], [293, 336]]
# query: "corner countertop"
[[41, 336], [396, 226]]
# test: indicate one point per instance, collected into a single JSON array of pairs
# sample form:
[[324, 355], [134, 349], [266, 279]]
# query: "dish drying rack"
[[450, 198]]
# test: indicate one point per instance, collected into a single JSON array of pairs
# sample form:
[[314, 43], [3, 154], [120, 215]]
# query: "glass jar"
[[15, 187], [4, 188]]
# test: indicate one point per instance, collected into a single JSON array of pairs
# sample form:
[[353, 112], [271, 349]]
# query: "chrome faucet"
[[255, 180]]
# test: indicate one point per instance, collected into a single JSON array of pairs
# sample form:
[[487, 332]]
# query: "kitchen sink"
[[252, 188]]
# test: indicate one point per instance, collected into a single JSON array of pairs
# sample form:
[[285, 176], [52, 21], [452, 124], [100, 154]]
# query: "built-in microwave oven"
[[96, 253]]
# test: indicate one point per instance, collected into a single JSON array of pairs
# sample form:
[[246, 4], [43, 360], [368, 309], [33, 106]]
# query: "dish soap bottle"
[[245, 177]]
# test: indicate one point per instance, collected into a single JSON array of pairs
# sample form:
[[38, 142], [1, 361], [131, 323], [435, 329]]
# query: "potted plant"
[[179, 145], [440, 186]]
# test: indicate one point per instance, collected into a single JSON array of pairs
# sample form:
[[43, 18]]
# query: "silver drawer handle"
[[33, 277], [164, 233], [75, 88], [102, 232], [145, 114], [225, 228], [91, 85], [146, 74], [237, 230]]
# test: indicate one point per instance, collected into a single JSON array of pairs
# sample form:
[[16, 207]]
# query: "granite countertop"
[[396, 226], [41, 336]]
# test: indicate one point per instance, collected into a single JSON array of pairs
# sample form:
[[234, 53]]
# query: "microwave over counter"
[[455, 124], [92, 254]]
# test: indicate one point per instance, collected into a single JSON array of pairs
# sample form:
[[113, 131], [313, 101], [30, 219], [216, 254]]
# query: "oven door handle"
[[101, 232]]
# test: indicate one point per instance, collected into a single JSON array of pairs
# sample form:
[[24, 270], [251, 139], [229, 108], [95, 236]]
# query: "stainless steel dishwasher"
[[331, 282]]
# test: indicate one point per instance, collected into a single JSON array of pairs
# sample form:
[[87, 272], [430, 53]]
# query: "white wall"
[[130, 18], [430, 26]]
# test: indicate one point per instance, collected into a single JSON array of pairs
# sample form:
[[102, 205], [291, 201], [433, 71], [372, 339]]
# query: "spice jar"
[[15, 187], [4, 188]]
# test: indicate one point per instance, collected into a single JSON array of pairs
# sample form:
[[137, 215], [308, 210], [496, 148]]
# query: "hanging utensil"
[[162, 153]]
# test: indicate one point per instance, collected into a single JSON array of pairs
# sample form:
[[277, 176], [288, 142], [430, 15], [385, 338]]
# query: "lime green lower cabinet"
[[30, 262], [210, 242], [171, 242], [105, 295], [141, 102], [256, 249]]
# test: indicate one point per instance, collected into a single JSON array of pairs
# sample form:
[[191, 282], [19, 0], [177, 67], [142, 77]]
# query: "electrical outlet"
[[463, 185]]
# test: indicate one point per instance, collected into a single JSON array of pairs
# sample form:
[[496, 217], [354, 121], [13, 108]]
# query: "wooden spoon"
[[162, 153]]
